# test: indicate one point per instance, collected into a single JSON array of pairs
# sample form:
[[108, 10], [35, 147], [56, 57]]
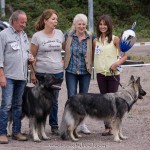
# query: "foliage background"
[[123, 12]]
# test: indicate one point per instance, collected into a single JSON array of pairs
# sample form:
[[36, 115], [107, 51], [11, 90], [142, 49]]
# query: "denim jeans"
[[12, 100], [53, 117], [72, 81]]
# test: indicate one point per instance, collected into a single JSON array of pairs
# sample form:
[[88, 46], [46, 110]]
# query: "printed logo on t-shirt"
[[52, 45]]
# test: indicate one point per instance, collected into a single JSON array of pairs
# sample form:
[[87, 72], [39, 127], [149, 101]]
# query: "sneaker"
[[83, 128], [3, 139], [19, 137], [55, 131]]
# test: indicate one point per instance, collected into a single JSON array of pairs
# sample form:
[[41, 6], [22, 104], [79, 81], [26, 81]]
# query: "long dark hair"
[[108, 21], [39, 25]]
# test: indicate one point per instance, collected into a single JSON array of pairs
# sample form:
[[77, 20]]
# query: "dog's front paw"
[[75, 140], [117, 140], [124, 137], [9, 134], [36, 140], [79, 136], [46, 138]]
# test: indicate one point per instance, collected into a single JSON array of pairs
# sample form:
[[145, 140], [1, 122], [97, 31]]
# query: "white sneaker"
[[83, 128]]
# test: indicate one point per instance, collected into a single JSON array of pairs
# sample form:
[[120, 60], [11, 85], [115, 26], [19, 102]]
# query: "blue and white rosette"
[[127, 40]]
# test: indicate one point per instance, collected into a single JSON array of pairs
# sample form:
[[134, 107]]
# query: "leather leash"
[[113, 74]]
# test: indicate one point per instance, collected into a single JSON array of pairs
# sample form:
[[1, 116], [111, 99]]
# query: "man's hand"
[[2, 81]]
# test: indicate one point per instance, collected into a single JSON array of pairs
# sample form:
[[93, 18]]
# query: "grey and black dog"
[[110, 107], [37, 104]]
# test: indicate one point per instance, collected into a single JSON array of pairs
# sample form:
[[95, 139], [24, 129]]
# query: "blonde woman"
[[78, 59]]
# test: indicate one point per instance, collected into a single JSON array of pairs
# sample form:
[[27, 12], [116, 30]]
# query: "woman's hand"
[[114, 66]]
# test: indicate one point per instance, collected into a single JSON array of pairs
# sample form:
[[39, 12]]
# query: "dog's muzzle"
[[141, 94]]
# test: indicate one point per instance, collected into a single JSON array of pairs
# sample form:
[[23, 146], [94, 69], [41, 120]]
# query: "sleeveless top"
[[105, 55]]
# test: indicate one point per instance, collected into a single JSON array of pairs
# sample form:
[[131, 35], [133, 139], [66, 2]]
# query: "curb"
[[141, 43]]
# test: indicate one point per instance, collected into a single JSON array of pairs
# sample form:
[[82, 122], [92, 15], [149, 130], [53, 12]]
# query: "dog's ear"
[[138, 81], [132, 80]]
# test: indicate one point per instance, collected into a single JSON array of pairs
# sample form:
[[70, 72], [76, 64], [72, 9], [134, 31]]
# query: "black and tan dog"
[[111, 107], [37, 104]]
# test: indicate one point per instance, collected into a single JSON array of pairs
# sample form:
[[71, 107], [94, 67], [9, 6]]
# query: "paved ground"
[[136, 125]]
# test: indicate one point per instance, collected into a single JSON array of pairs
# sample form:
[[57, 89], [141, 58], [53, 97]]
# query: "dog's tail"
[[64, 124]]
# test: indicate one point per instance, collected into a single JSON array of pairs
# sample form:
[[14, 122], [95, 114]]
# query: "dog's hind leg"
[[64, 126], [34, 127], [76, 133], [71, 133], [67, 125], [71, 129]]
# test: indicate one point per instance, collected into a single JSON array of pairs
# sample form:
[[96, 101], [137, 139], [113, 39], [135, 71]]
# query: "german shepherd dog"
[[110, 107], [37, 104]]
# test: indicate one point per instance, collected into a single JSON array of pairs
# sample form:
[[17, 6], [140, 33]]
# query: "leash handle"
[[113, 74]]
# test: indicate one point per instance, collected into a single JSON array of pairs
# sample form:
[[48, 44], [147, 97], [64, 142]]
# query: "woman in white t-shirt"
[[46, 46]]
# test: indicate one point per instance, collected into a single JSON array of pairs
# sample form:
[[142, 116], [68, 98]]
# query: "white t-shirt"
[[48, 58]]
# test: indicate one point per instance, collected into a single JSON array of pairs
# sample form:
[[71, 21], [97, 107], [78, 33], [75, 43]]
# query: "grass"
[[143, 39], [146, 59]]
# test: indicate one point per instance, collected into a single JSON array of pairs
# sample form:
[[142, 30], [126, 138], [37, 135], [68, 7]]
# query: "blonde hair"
[[39, 25], [77, 18]]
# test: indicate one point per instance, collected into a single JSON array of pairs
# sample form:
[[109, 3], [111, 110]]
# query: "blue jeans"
[[12, 100], [72, 81], [53, 117]]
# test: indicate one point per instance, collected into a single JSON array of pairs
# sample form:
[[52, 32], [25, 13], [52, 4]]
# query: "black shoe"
[[107, 133], [55, 131]]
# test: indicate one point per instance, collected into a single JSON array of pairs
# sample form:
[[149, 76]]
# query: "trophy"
[[127, 40]]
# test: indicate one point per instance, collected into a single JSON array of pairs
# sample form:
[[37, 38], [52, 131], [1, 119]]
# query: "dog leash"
[[31, 64], [113, 74]]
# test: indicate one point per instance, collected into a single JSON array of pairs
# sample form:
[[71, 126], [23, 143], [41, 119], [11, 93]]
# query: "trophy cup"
[[127, 40]]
